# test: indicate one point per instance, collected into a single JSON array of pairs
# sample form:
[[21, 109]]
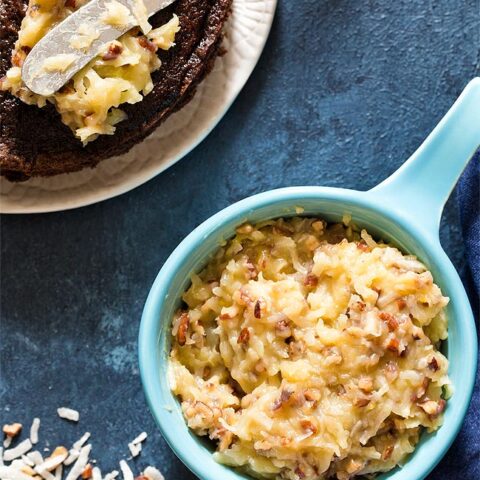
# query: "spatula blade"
[[57, 42]]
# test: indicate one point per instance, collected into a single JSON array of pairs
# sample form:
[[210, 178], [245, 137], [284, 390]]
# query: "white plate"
[[247, 31]]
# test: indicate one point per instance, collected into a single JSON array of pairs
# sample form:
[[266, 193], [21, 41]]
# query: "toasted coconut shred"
[[126, 470], [135, 446], [68, 414], [18, 451], [21, 463], [309, 350], [34, 431], [111, 475]]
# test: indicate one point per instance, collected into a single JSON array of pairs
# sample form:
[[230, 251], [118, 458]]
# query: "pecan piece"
[[393, 345], [433, 408], [296, 348], [282, 399], [387, 452], [113, 52], [182, 329], [244, 336], [362, 402], [251, 270], [257, 310], [390, 320], [422, 391], [17, 60], [299, 472], [401, 303], [433, 364], [363, 246], [308, 426], [146, 43], [311, 280]]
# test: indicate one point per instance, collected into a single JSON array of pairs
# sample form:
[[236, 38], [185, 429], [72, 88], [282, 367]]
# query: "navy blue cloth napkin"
[[463, 459], [469, 199]]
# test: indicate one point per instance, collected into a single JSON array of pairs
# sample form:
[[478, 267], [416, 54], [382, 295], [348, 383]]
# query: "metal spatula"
[[57, 42]]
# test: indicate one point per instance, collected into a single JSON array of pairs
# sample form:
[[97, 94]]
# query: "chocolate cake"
[[34, 141]]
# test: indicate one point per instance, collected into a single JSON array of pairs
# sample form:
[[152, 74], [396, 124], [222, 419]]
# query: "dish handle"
[[420, 188]]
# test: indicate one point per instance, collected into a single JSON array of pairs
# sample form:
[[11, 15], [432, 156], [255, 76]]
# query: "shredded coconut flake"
[[35, 457], [96, 474], [135, 449], [140, 13], [11, 473], [73, 455], [142, 437], [80, 464], [52, 462], [126, 471], [79, 443], [58, 63], [68, 414], [112, 475], [27, 461], [34, 431], [59, 472], [153, 474], [44, 473], [117, 15], [18, 451], [19, 465], [135, 446], [86, 35]]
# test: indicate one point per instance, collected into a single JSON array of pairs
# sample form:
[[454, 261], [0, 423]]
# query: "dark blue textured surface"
[[344, 93]]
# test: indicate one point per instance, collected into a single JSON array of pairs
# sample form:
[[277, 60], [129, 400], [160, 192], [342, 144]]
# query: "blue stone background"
[[344, 92]]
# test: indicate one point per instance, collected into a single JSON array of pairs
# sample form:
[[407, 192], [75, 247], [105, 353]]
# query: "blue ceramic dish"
[[405, 209]]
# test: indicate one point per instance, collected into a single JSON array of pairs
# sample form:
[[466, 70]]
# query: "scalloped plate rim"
[[144, 175]]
